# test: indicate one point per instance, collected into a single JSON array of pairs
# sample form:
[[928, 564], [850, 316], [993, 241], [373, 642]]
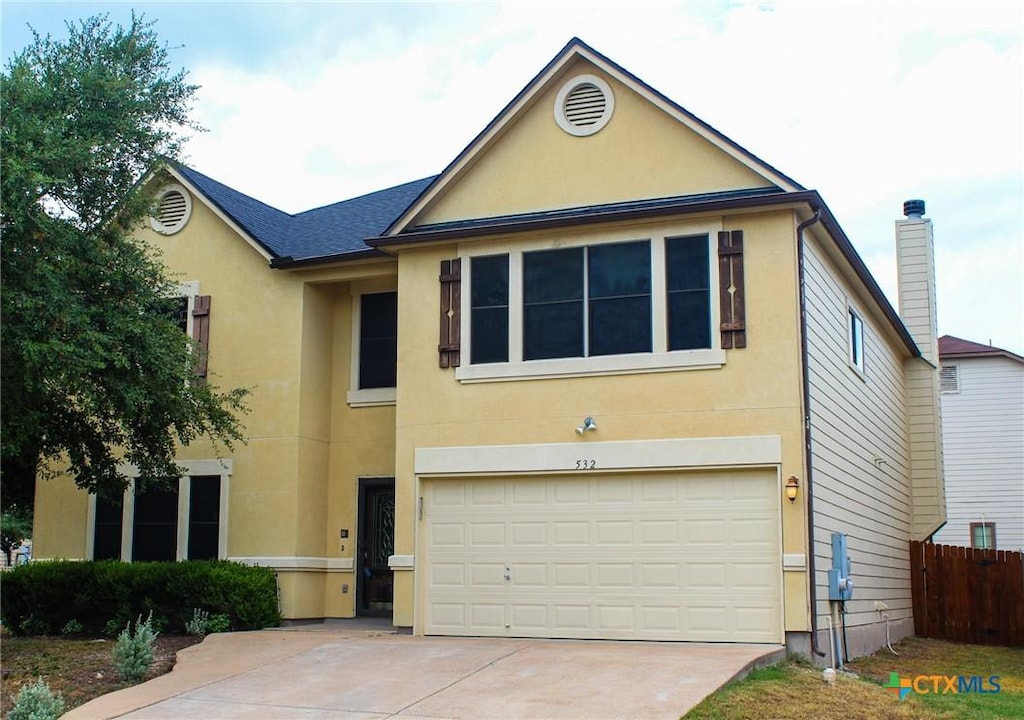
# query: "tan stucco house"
[[607, 375]]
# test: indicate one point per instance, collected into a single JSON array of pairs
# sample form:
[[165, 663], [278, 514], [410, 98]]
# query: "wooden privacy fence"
[[967, 595]]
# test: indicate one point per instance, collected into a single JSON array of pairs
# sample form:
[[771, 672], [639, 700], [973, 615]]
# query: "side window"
[[107, 533], [856, 340], [378, 340], [983, 535], [688, 284], [489, 309]]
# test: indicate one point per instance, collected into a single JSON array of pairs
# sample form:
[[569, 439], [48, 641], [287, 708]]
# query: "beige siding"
[[983, 444], [859, 450]]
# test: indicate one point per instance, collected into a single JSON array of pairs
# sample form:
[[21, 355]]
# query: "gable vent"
[[584, 105], [949, 379], [173, 210]]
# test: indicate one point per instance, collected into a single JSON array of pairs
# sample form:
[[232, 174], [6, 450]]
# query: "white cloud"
[[870, 103]]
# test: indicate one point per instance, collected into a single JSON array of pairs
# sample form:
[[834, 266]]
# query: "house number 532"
[[583, 464]]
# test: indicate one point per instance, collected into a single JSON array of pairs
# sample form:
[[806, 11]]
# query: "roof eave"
[[290, 263]]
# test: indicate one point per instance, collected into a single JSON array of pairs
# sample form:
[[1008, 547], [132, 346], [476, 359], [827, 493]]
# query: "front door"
[[375, 585]]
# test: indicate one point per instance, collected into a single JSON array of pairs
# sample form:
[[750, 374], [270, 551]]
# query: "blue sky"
[[869, 103]]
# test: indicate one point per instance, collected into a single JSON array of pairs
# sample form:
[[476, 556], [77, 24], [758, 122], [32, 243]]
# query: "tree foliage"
[[95, 372]]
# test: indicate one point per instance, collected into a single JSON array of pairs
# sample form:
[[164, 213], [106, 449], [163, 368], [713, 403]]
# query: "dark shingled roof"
[[332, 230], [954, 347]]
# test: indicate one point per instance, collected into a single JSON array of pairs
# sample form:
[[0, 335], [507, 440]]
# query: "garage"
[[634, 556]]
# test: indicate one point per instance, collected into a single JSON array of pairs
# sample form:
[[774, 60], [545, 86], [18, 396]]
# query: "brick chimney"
[[915, 260]]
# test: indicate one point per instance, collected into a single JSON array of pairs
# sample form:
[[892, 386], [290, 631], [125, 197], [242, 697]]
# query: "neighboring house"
[[563, 389], [982, 394]]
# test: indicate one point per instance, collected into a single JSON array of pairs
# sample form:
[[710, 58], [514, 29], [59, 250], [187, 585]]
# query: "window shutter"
[[201, 332], [451, 301], [730, 281]]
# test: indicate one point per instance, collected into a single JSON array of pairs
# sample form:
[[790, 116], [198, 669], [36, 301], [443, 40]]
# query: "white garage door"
[[689, 556]]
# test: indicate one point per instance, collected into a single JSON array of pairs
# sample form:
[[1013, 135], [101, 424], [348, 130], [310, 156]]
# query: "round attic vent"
[[173, 209], [584, 105]]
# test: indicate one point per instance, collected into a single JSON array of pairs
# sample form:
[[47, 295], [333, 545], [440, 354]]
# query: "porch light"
[[792, 486]]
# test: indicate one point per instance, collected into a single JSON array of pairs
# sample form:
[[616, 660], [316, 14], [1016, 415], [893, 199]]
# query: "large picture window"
[[603, 307]]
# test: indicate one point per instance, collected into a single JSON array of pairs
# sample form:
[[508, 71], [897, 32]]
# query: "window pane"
[[686, 261], [620, 325], [553, 330], [689, 321], [551, 275], [490, 335], [156, 523], [553, 304], [490, 281], [378, 340], [621, 269], [107, 533], [489, 309], [204, 517], [619, 285], [687, 277]]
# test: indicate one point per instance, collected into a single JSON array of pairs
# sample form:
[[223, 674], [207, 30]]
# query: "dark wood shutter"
[[201, 332], [451, 302], [730, 282]]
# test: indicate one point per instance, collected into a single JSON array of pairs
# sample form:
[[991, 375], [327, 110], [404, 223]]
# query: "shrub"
[[105, 595], [197, 625], [133, 653], [202, 623], [36, 702], [72, 627]]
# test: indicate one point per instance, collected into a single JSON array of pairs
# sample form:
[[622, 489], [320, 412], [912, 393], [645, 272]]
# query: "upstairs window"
[[378, 340], [597, 308], [856, 340], [489, 309]]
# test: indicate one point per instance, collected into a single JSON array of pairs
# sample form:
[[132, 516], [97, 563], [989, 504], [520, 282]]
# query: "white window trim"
[[660, 360], [370, 397], [188, 290], [221, 468], [857, 364]]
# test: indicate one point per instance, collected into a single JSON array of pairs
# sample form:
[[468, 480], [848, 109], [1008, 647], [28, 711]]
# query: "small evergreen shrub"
[[31, 625], [36, 702], [72, 627], [133, 653]]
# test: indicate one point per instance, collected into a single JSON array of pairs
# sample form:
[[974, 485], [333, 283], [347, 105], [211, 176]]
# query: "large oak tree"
[[95, 371]]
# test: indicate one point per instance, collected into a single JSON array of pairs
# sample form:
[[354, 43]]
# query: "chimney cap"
[[913, 208]]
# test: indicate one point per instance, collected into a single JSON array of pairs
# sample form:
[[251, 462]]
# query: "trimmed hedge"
[[41, 597]]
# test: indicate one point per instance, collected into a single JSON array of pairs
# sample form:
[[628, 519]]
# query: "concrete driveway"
[[344, 671]]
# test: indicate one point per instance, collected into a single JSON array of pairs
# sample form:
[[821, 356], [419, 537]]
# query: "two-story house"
[[607, 375], [982, 396]]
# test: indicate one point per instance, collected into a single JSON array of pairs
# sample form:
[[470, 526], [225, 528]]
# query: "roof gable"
[[523, 162]]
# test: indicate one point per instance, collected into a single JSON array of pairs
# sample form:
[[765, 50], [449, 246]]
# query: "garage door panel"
[[658, 557]]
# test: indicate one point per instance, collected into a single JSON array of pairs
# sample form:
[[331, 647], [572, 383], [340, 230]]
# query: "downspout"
[[809, 479]]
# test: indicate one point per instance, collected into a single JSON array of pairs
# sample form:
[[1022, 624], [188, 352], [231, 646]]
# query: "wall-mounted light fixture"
[[588, 426], [792, 486]]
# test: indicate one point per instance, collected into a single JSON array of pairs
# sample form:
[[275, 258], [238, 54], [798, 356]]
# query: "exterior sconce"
[[792, 486], [588, 426]]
